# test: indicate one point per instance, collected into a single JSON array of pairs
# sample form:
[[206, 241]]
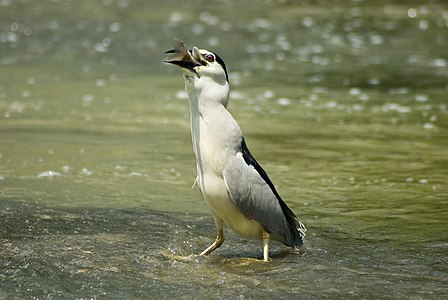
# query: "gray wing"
[[250, 188]]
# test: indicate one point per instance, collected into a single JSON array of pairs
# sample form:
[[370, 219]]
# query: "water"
[[344, 104]]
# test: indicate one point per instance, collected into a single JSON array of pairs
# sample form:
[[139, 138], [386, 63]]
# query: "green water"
[[344, 104]]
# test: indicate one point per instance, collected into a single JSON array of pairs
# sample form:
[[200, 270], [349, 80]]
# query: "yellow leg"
[[266, 239], [219, 238]]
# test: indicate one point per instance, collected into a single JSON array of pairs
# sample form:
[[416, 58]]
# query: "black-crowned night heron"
[[237, 190]]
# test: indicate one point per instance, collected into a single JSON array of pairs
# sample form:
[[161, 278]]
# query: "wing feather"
[[250, 188]]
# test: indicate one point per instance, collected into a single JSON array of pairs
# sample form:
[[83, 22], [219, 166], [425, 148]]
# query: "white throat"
[[212, 126]]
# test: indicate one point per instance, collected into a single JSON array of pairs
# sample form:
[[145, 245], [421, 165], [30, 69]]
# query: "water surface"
[[344, 104]]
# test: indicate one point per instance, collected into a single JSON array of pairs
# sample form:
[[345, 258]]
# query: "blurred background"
[[344, 104]]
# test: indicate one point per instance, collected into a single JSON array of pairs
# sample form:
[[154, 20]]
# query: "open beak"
[[182, 57]]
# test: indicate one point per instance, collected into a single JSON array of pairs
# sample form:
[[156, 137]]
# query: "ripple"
[[354, 91], [284, 101], [88, 98], [440, 63], [421, 98], [397, 108], [49, 174], [86, 172], [114, 27], [429, 126]]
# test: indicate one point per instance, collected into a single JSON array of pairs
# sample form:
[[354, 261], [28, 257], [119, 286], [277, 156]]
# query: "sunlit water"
[[344, 104]]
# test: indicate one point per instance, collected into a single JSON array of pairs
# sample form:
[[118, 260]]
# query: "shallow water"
[[345, 106]]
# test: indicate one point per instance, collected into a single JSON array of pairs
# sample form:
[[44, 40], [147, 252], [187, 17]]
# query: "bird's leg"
[[266, 239], [219, 238]]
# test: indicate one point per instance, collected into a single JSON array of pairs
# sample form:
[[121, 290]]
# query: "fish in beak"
[[184, 58]]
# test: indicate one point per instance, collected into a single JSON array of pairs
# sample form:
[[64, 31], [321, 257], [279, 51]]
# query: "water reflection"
[[344, 104]]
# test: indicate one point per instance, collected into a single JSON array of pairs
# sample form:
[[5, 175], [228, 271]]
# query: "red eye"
[[210, 57]]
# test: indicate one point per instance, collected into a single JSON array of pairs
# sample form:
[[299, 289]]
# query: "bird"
[[237, 190]]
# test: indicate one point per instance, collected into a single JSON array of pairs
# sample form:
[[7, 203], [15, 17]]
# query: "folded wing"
[[250, 188]]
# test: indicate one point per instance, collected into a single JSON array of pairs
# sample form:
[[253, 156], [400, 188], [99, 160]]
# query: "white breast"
[[216, 136]]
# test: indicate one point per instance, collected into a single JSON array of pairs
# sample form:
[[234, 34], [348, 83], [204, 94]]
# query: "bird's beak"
[[182, 57]]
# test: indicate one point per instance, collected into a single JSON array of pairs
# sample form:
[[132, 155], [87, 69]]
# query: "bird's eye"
[[210, 57]]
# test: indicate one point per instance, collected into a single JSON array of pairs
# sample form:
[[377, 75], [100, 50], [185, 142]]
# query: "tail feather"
[[296, 228]]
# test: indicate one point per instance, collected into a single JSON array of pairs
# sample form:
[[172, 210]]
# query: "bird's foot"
[[246, 261]]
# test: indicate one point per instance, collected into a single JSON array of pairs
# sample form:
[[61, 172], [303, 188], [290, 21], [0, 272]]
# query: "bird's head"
[[199, 66]]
